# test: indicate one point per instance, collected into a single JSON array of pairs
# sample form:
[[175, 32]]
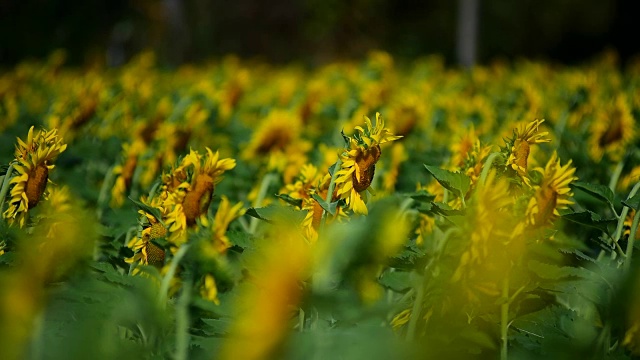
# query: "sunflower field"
[[358, 210]]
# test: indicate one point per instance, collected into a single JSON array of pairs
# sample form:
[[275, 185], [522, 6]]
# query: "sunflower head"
[[552, 194], [34, 159], [612, 131], [519, 147], [358, 162]]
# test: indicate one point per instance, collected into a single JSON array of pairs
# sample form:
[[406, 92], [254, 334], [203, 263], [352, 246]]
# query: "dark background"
[[312, 31]]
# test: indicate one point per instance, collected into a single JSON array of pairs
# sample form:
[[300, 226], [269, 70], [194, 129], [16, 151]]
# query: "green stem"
[[166, 280], [630, 242], [332, 186], [107, 184], [182, 322], [623, 215], [262, 193], [616, 175], [504, 319], [5, 187], [415, 311], [487, 166], [301, 320]]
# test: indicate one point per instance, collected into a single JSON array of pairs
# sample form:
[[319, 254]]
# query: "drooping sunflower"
[[519, 147], [34, 162], [358, 162], [612, 131], [552, 194]]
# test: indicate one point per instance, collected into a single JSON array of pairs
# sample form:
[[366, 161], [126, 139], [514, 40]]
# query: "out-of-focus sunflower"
[[124, 172], [358, 162], [224, 216], [552, 194], [34, 162], [611, 131], [519, 146]]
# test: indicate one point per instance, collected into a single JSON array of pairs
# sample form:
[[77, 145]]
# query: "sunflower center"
[[36, 184], [196, 202], [547, 200], [521, 153], [155, 255], [366, 162], [275, 139], [613, 133]]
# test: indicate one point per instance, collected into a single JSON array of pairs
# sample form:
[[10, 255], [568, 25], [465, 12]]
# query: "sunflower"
[[612, 131], [520, 146], [145, 251], [34, 161], [124, 172], [552, 194], [358, 162], [224, 216], [191, 198]]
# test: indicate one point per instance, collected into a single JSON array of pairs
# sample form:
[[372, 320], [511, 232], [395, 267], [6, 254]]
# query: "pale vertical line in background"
[[466, 44]]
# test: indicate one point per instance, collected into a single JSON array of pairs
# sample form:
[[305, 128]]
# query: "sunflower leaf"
[[256, 213], [151, 210], [397, 281], [633, 202], [455, 182], [600, 192], [328, 207], [422, 196], [590, 219], [288, 199]]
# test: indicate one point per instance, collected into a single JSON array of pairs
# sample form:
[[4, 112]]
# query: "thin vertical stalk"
[[487, 166], [504, 319], [5, 187], [415, 311], [166, 280], [332, 186], [262, 193], [616, 175], [182, 321], [631, 241], [623, 215]]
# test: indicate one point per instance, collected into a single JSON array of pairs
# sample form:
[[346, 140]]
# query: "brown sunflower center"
[[155, 255], [547, 199], [522, 150], [366, 161], [197, 201], [613, 133], [36, 184], [275, 139]]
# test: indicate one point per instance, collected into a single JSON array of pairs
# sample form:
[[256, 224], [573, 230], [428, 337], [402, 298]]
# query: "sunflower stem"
[[415, 311], [166, 280], [616, 175], [107, 183], [487, 166], [301, 320], [262, 193], [332, 186], [182, 321], [5, 187], [504, 319], [630, 242], [623, 215]]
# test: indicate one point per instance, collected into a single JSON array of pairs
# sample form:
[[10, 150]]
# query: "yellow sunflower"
[[520, 145], [192, 197], [552, 194], [146, 252], [612, 131], [124, 172], [34, 161], [358, 163], [224, 216]]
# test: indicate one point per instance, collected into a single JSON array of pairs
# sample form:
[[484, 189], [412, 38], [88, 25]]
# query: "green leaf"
[[257, 213], [273, 213], [455, 182], [634, 202], [555, 272], [328, 207], [444, 209], [288, 199], [590, 219], [600, 192], [422, 196], [151, 210], [241, 239], [397, 280]]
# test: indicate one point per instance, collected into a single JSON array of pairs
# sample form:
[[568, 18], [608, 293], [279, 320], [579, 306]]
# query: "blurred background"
[[315, 31]]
